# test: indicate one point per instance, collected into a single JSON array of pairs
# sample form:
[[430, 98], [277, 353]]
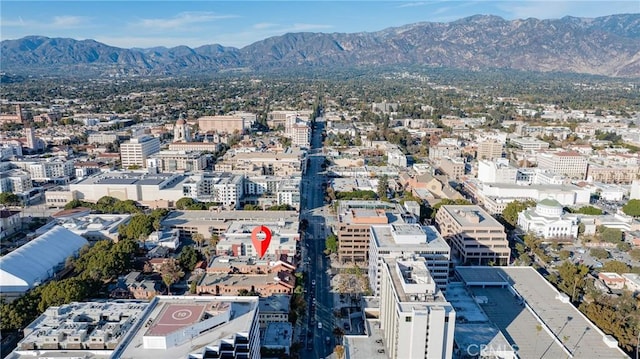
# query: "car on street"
[[319, 325]]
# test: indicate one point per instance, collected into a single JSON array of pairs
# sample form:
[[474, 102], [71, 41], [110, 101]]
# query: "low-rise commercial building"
[[474, 236], [354, 222]]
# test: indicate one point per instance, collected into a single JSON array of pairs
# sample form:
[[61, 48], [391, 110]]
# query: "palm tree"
[[199, 239]]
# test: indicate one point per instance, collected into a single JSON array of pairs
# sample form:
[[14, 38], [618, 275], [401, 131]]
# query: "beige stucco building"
[[474, 236]]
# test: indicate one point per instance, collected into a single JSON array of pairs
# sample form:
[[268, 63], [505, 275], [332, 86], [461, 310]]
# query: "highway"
[[319, 298]]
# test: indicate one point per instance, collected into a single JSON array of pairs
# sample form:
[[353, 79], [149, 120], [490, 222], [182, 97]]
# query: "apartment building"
[[290, 162], [272, 190], [220, 187], [475, 237], [15, 181], [172, 161], [568, 163], [416, 320], [354, 222], [298, 130], [408, 241], [489, 150], [47, 170], [136, 151]]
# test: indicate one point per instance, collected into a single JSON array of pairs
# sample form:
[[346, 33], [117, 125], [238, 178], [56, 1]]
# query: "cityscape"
[[318, 210]]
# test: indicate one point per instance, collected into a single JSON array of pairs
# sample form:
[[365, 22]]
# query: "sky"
[[239, 23]]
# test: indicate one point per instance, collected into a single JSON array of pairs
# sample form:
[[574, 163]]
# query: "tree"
[[632, 208], [331, 243], [611, 235], [383, 187], [339, 350], [185, 203], [570, 278], [589, 210], [139, 224], [199, 239], [615, 266], [599, 253], [510, 212], [171, 273], [9, 199], [188, 258], [564, 254]]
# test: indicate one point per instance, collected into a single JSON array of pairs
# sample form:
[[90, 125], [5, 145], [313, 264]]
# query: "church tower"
[[181, 132]]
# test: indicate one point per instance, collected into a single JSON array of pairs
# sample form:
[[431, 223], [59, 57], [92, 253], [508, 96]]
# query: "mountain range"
[[608, 46]]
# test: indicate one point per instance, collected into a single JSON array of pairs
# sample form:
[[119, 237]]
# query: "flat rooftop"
[[170, 310], [213, 217], [127, 178], [471, 215], [175, 317], [540, 324], [427, 237], [358, 347]]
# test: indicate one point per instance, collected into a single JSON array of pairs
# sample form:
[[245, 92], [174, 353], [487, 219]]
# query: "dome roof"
[[181, 122]]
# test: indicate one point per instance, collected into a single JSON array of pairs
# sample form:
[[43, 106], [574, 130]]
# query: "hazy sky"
[[239, 23]]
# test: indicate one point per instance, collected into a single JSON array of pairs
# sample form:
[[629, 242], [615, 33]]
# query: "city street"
[[319, 298]]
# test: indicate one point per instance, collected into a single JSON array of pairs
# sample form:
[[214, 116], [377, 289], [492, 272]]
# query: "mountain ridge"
[[608, 45]]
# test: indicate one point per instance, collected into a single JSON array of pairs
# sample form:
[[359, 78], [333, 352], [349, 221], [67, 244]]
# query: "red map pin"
[[259, 243]]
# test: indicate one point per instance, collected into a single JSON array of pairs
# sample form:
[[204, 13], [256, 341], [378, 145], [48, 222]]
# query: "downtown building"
[[475, 237], [54, 170], [408, 241], [569, 163], [136, 151], [167, 327], [220, 187], [416, 320], [172, 161], [353, 227]]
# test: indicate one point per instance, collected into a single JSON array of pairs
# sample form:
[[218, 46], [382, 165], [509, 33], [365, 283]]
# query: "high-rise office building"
[[136, 151], [416, 320]]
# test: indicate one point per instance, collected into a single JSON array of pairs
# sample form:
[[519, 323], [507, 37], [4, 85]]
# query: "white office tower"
[[136, 151], [635, 190], [497, 171], [405, 241], [415, 318]]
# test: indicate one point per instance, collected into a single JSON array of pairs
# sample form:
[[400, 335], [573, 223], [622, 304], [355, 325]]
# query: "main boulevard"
[[319, 298]]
